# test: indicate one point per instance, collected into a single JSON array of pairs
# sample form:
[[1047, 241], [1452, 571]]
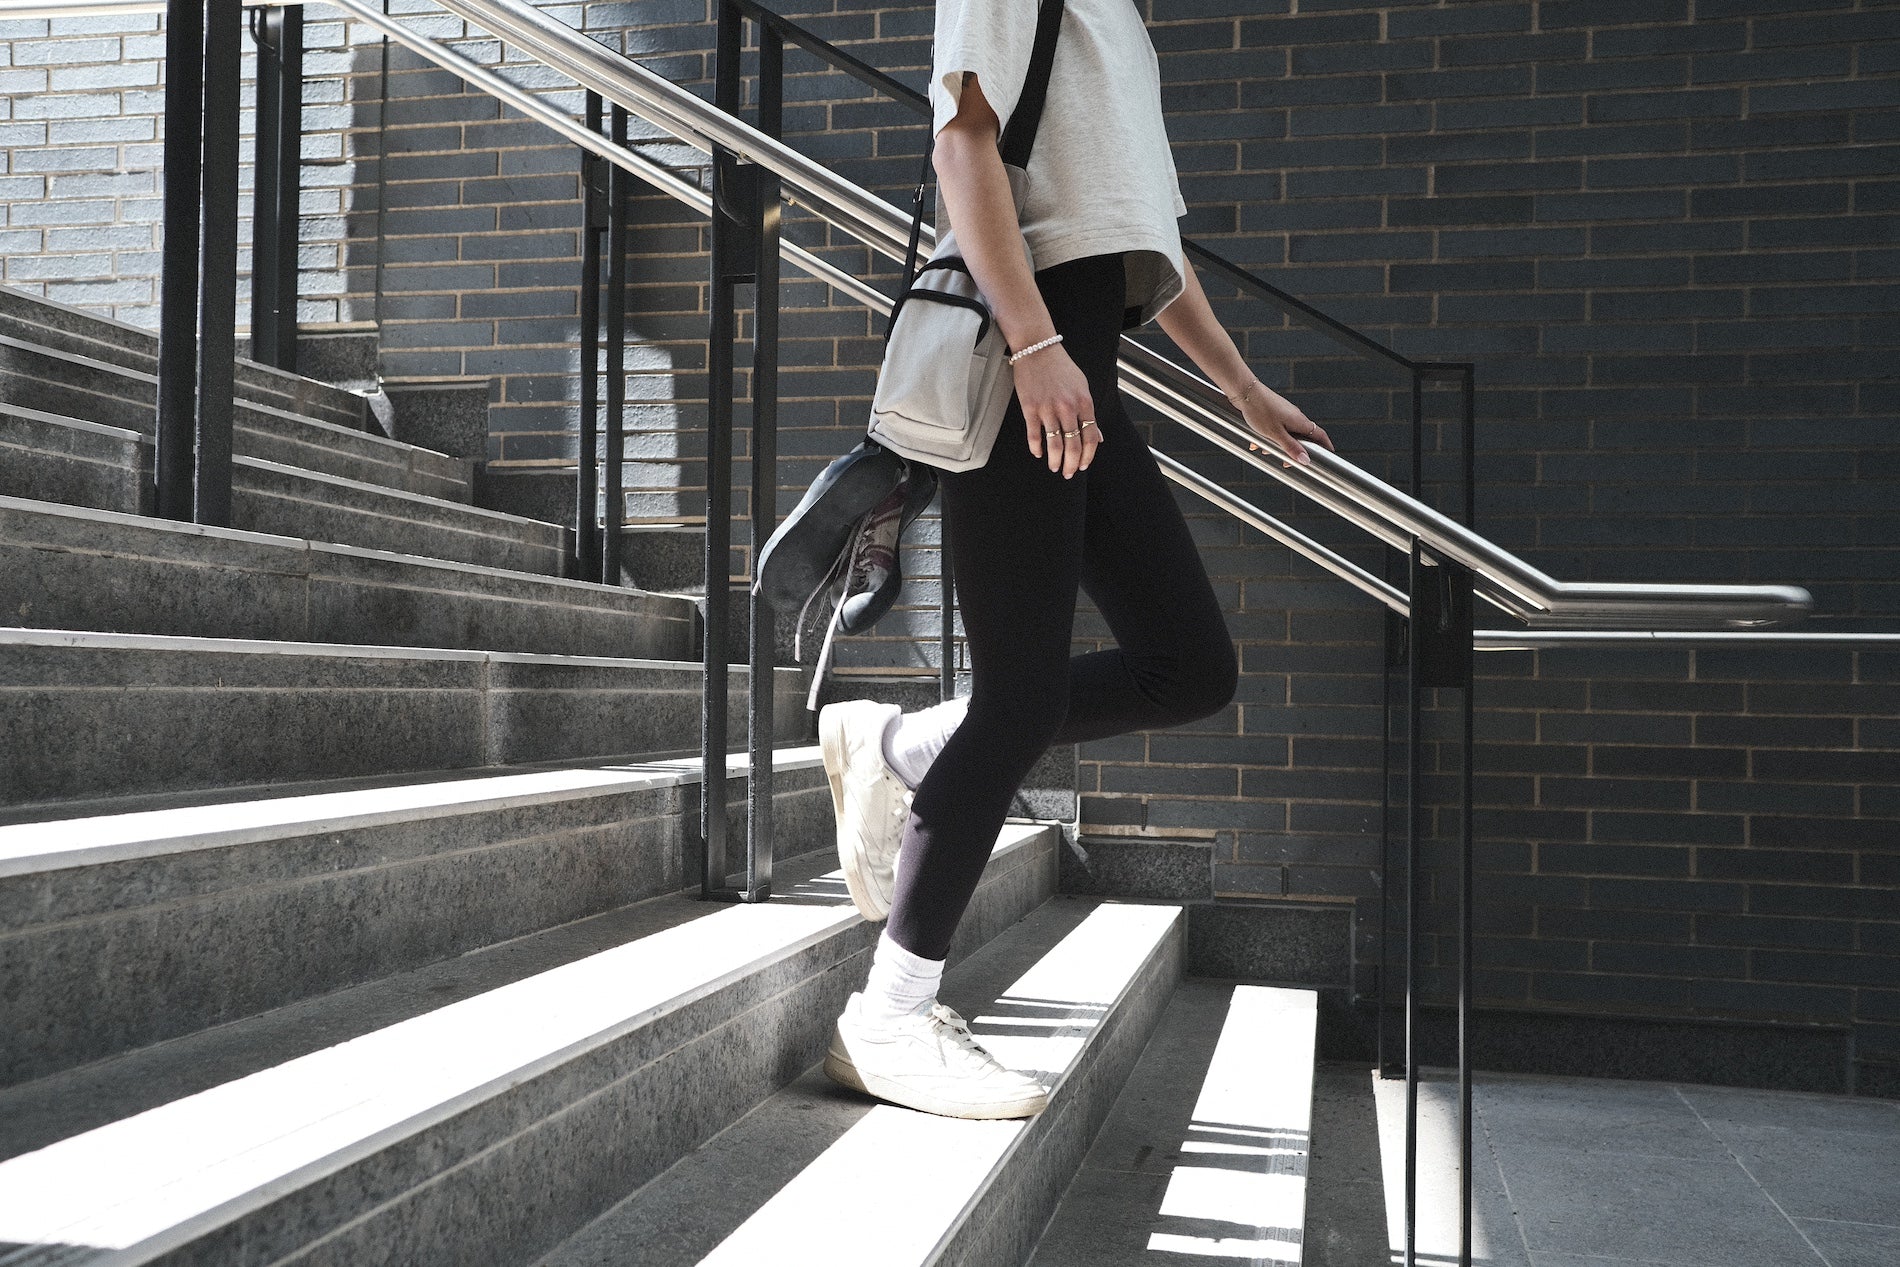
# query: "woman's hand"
[[1273, 416], [1054, 394]]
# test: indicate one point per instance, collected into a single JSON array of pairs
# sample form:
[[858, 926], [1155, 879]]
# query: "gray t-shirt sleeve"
[[991, 39]]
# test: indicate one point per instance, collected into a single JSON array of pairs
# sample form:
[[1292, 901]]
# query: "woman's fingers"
[[1035, 433], [1091, 437]]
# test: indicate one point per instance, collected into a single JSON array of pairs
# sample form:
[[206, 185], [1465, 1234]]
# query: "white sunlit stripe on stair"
[[162, 1173], [71, 842], [862, 1200], [1254, 1112]]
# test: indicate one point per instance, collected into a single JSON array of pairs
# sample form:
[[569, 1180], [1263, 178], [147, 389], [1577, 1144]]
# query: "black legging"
[[1022, 538]]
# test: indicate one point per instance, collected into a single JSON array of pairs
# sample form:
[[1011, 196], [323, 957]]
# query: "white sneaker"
[[871, 803], [928, 1061]]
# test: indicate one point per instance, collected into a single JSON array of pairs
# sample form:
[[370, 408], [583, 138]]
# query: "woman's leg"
[[1023, 540]]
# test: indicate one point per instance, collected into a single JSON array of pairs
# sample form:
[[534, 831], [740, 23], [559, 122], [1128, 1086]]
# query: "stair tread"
[[17, 636], [50, 319], [54, 844], [345, 442], [189, 1162], [1204, 1155], [818, 1171], [343, 548]]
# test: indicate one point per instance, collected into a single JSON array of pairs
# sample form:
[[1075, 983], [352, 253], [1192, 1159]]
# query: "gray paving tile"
[[1656, 1209], [1551, 1259], [1823, 1174], [1854, 1244], [1593, 1117], [1497, 1240], [1728, 1106]]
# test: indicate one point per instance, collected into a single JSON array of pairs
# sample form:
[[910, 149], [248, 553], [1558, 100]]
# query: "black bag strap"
[[1019, 137]]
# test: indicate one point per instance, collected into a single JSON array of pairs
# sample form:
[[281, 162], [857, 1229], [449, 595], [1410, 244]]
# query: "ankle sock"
[[913, 740], [901, 983]]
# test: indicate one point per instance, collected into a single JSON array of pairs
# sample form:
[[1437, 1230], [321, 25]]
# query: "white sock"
[[901, 983], [913, 740]]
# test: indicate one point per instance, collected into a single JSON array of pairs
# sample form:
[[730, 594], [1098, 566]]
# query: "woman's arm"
[[1191, 323], [1053, 391]]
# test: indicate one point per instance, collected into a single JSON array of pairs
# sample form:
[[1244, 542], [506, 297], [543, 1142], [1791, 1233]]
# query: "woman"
[[1070, 498]]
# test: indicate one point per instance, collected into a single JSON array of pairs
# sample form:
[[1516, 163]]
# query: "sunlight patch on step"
[[1244, 1195], [193, 1163], [887, 1192]]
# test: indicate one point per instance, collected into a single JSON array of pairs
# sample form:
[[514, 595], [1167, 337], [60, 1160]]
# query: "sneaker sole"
[[850, 853], [840, 1070]]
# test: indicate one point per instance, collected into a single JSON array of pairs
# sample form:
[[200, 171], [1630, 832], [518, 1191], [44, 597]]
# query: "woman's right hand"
[[1054, 394]]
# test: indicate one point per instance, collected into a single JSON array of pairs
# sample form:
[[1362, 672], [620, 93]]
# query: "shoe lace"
[[957, 1030]]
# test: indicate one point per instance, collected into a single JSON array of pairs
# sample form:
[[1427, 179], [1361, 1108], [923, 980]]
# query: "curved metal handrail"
[[1508, 582]]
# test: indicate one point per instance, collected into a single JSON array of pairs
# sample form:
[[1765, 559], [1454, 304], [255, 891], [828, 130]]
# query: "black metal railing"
[[197, 330], [278, 34]]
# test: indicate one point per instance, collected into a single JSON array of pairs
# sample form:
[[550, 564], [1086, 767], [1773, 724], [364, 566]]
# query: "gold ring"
[[1070, 435], [1091, 423]]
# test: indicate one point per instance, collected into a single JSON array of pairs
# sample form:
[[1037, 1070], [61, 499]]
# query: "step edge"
[[336, 428], [153, 523], [287, 823], [125, 434], [104, 641], [306, 475]]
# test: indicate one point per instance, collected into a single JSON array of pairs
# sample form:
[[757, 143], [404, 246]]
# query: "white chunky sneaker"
[[871, 803], [928, 1061]]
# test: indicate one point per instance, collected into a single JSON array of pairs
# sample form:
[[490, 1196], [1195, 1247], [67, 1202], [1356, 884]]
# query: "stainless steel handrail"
[[1507, 581]]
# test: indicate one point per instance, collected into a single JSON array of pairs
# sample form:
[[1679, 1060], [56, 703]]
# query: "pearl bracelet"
[[1049, 342]]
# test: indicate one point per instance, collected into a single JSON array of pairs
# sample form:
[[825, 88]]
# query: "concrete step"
[[291, 501], [473, 1113], [65, 384], [46, 457], [124, 927], [32, 319], [103, 714], [821, 1174], [64, 567], [1204, 1156]]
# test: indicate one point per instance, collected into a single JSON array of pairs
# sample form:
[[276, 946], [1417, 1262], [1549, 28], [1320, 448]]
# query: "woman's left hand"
[[1274, 417]]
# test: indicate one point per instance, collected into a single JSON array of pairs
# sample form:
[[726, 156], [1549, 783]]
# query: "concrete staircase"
[[344, 859]]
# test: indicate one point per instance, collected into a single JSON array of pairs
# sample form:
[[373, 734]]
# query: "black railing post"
[[217, 278], [613, 459], [278, 34], [765, 361], [1466, 896], [176, 441], [587, 494], [721, 334]]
